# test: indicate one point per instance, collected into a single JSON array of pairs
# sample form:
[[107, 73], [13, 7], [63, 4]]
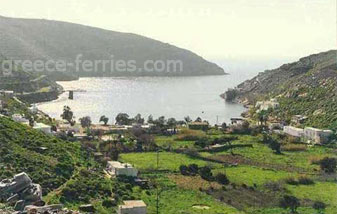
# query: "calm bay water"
[[168, 96]]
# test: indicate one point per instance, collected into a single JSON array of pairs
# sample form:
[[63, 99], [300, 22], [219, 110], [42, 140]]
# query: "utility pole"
[[157, 203]]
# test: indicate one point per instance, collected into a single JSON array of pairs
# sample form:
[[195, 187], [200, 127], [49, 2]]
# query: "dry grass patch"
[[193, 182]]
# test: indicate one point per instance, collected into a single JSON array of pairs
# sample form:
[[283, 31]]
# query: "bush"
[[328, 165], [184, 170], [221, 178], [305, 181], [206, 173], [290, 202], [319, 206], [294, 147], [291, 181]]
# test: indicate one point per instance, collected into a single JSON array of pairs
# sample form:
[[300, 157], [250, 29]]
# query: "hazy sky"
[[214, 29]]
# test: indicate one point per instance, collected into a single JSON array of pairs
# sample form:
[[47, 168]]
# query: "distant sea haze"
[[158, 96]]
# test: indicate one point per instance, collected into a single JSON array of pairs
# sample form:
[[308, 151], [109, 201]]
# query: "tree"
[[221, 178], [193, 169], [138, 119], [272, 143], [328, 165], [290, 202], [68, 115], [262, 117], [224, 126], [319, 206], [199, 120], [206, 173], [184, 170], [122, 119], [85, 122], [104, 119], [172, 123], [187, 119], [150, 119]]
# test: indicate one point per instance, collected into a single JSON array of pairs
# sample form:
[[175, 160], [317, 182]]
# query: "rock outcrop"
[[26, 197]]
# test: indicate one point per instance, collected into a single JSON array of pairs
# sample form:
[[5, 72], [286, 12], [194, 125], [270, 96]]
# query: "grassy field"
[[251, 175], [167, 161], [253, 167]]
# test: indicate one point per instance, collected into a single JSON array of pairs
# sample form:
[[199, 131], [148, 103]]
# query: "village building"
[[309, 134], [116, 168], [6, 94], [317, 136], [266, 105], [237, 120], [293, 131], [42, 127], [132, 207], [20, 119], [67, 127], [298, 119]]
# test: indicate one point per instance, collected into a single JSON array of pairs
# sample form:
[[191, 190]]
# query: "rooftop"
[[120, 165], [134, 204]]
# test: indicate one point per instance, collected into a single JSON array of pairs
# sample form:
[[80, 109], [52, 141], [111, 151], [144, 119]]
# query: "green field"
[[167, 161]]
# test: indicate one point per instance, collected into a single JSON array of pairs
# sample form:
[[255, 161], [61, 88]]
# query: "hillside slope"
[[48, 160], [41, 39], [307, 87]]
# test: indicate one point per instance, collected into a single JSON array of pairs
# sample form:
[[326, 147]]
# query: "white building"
[[266, 105], [317, 136], [116, 168], [7, 94], [293, 131], [309, 134], [20, 119], [132, 207], [42, 127]]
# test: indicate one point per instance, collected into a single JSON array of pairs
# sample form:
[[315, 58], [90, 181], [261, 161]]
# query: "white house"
[[293, 131], [266, 105], [42, 127], [132, 207], [317, 136], [117, 168], [20, 119], [7, 94]]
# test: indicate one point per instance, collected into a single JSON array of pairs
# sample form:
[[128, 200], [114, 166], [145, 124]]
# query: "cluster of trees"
[[273, 143], [292, 203], [204, 172]]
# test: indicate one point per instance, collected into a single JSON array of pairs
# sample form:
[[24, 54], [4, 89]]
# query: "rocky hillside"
[[307, 87], [46, 159], [41, 39]]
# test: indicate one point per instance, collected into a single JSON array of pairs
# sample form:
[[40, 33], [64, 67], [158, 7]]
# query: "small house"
[[293, 131], [117, 168], [132, 207], [42, 127], [317, 136]]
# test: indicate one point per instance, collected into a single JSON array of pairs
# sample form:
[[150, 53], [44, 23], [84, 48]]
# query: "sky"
[[214, 29]]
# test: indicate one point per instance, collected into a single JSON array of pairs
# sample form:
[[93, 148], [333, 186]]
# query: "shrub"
[[328, 165], [319, 206], [184, 170], [305, 181], [294, 147], [291, 181], [193, 169], [206, 173], [290, 202], [221, 178]]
